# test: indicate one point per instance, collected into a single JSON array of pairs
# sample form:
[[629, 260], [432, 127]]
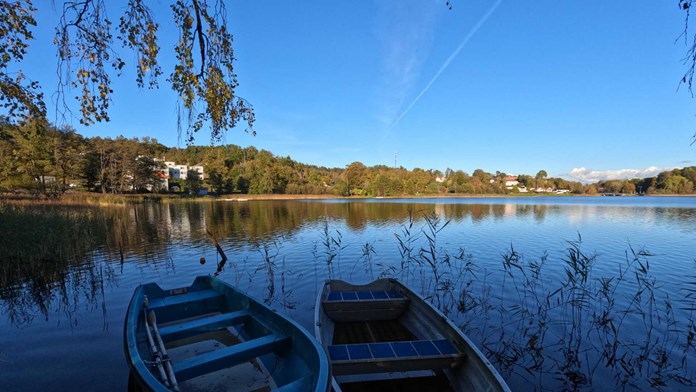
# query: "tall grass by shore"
[[29, 233], [109, 199], [81, 198]]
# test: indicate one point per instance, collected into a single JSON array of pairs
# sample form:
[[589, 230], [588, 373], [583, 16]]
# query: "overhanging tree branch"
[[201, 37], [87, 61], [18, 95]]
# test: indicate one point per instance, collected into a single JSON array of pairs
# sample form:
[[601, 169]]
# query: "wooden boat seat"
[[181, 299], [347, 306], [301, 384], [393, 356], [364, 296], [229, 356], [202, 325]]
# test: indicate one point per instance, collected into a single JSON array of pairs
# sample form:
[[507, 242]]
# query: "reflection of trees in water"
[[255, 221], [47, 249], [540, 326], [49, 264], [262, 220], [55, 258], [49, 287], [547, 328]]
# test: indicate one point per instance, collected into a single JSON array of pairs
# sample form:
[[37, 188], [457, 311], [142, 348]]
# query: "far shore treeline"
[[39, 158]]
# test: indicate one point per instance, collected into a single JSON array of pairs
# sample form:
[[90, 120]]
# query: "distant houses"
[[178, 172], [512, 182]]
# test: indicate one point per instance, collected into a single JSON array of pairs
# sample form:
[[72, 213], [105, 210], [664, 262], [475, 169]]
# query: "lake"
[[586, 293]]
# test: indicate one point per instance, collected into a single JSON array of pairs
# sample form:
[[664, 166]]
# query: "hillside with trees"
[[39, 158]]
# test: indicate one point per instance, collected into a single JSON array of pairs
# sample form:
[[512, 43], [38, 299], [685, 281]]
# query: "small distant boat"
[[383, 336], [212, 337]]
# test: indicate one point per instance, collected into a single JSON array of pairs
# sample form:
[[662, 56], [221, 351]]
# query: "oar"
[[155, 351], [152, 319]]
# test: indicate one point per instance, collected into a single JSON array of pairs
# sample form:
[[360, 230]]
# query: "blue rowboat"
[[382, 336], [212, 337]]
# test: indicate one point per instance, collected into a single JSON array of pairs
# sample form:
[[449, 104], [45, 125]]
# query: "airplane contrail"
[[449, 59]]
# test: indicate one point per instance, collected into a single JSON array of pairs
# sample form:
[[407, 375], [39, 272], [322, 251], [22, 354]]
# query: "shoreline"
[[86, 198]]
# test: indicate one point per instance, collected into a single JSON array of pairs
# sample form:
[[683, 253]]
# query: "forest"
[[40, 159]]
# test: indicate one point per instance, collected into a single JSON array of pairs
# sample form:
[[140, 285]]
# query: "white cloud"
[[447, 62], [406, 30], [588, 175]]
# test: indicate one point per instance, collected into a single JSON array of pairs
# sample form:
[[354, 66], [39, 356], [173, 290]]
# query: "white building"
[[199, 169], [180, 172], [511, 181], [542, 189]]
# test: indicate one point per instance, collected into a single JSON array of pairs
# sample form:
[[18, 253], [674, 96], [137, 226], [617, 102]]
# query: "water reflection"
[[48, 250], [543, 322]]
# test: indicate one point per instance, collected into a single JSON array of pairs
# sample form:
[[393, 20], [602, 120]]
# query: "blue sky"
[[582, 89]]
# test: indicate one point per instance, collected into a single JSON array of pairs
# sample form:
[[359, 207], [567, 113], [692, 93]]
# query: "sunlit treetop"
[[19, 96], [87, 42]]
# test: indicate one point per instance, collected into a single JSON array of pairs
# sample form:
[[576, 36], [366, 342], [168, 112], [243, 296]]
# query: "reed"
[[46, 263], [84, 199], [286, 291], [269, 253], [571, 333], [407, 240], [332, 245], [565, 327], [367, 252], [36, 234], [689, 305]]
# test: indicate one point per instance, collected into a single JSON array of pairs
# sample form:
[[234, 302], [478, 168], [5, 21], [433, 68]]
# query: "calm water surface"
[[62, 308]]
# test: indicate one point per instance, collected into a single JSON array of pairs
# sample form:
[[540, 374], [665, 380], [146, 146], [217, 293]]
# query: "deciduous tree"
[[19, 95], [68, 155], [33, 154], [88, 60], [540, 176], [193, 182]]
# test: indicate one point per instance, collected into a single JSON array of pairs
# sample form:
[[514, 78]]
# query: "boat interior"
[[216, 346]]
